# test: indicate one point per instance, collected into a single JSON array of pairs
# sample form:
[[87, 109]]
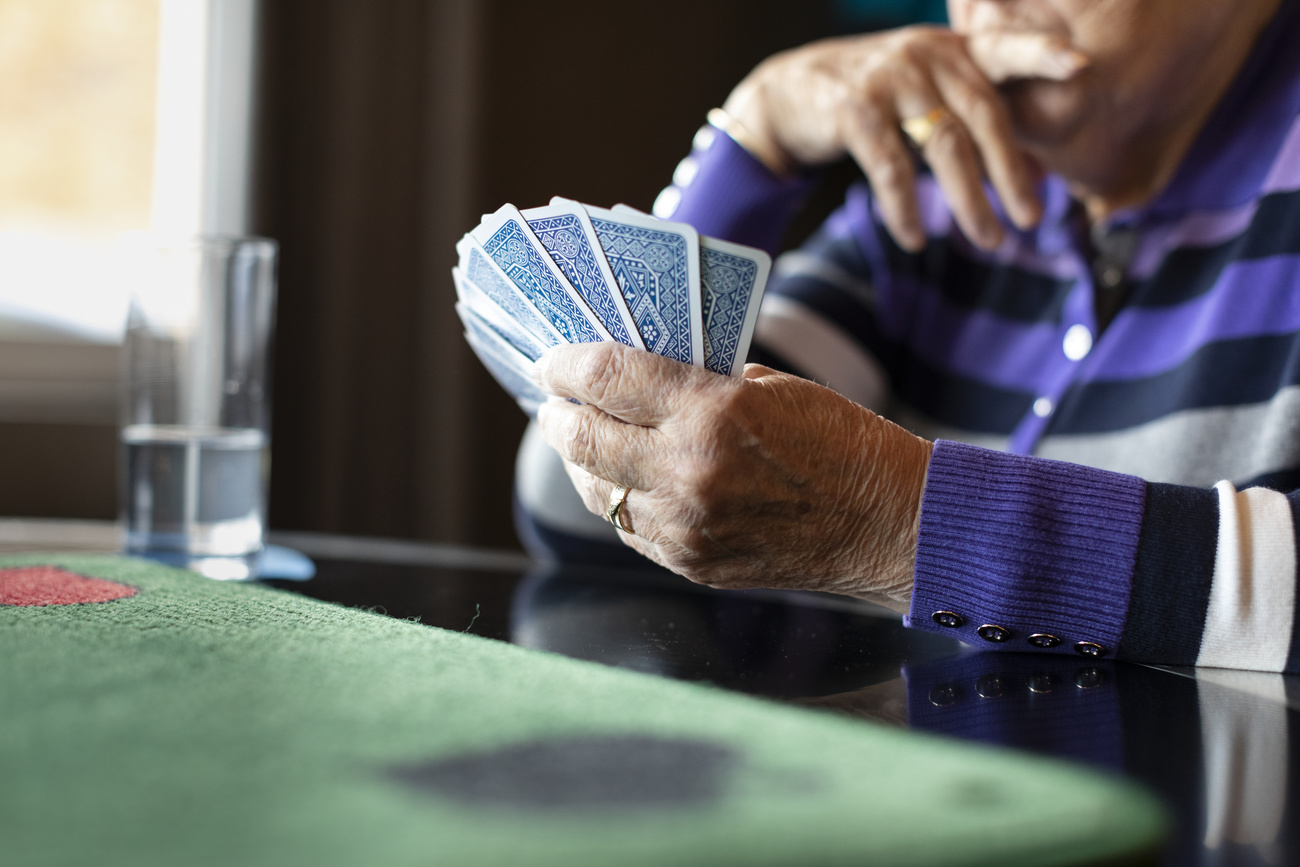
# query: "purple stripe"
[[1028, 544], [975, 344], [1251, 298]]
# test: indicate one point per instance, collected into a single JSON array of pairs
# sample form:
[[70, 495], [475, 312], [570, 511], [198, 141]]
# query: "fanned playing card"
[[565, 231], [657, 266]]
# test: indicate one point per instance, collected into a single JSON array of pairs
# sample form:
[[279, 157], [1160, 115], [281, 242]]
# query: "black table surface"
[[1221, 748]]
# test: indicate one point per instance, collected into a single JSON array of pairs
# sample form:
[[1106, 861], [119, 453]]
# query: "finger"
[[956, 165], [633, 385], [981, 112], [597, 495], [600, 443], [1004, 56], [952, 156], [876, 144]]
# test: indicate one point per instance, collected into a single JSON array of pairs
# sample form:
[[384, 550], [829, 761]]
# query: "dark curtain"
[[386, 128]]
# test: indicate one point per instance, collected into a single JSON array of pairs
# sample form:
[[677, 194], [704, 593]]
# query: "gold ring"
[[920, 129], [615, 514]]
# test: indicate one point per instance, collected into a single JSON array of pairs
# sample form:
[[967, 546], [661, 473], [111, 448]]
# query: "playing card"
[[490, 316], [507, 240], [478, 270], [566, 233], [512, 370], [732, 279], [657, 266]]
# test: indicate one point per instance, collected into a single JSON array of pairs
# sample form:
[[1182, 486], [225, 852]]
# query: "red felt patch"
[[50, 585]]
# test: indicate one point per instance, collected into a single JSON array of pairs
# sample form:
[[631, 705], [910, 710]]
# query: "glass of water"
[[196, 407]]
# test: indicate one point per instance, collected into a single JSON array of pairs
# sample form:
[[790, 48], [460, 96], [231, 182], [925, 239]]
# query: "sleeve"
[[1031, 554], [724, 192]]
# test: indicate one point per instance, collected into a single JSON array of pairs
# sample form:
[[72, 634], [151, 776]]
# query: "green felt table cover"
[[198, 722]]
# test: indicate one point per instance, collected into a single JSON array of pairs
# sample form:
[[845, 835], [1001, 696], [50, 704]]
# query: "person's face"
[[1152, 64]]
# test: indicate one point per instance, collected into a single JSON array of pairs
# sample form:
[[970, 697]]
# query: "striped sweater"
[[1116, 413]]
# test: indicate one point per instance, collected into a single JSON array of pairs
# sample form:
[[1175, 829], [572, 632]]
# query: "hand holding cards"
[[574, 273]]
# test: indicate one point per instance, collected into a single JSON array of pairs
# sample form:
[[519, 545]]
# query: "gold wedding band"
[[920, 129], [617, 502]]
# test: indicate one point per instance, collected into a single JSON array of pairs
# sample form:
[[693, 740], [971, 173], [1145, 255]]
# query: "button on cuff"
[[949, 619], [994, 633]]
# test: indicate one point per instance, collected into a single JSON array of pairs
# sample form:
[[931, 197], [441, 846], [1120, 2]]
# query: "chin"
[[1046, 114]]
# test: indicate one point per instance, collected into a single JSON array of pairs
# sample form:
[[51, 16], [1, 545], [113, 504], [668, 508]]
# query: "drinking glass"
[[196, 406]]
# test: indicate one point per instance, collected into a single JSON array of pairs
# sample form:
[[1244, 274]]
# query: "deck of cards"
[[573, 273]]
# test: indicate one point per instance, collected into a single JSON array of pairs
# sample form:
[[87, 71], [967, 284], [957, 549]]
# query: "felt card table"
[[151, 716]]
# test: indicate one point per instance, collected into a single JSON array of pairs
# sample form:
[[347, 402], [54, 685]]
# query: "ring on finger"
[[920, 128], [616, 512]]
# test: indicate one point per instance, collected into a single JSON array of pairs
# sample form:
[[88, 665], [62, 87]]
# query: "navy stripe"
[[766, 357], [1173, 574], [1228, 373], [1190, 272], [954, 400], [967, 283], [1293, 655]]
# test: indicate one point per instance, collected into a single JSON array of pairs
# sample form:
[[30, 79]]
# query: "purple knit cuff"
[[735, 197], [1028, 545]]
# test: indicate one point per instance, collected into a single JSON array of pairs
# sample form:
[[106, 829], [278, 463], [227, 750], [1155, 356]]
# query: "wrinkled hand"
[[817, 103], [762, 481]]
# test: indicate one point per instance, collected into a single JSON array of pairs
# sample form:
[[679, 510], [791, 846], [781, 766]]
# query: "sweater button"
[[990, 632], [1077, 343], [1042, 639], [948, 619], [1089, 648]]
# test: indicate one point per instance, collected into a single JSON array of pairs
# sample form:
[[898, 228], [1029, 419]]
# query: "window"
[[115, 115]]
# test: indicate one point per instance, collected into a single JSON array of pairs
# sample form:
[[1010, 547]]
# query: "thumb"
[[1004, 56]]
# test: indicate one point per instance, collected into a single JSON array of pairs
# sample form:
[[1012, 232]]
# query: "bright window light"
[[115, 116]]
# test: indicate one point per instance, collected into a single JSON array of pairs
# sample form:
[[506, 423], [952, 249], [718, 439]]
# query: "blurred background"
[[365, 136]]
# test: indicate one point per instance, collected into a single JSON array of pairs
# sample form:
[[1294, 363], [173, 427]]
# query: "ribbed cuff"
[[735, 197], [1028, 545]]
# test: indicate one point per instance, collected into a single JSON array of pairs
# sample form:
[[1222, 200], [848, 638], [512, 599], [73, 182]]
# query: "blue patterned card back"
[[732, 279], [479, 271], [507, 243], [657, 269], [563, 235]]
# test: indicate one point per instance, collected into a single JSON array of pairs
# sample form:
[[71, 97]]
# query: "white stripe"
[[1252, 597], [799, 264], [820, 350]]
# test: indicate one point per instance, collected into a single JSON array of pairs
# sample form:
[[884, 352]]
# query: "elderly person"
[[1082, 314]]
